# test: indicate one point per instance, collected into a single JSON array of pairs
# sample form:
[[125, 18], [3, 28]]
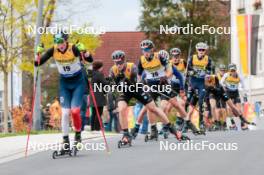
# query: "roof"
[[126, 41]]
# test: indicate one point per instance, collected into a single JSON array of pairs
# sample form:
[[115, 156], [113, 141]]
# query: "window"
[[260, 61], [241, 4]]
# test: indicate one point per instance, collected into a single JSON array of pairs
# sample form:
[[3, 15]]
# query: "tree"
[[14, 17], [181, 13]]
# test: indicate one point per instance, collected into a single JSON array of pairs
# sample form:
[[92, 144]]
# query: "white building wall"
[[254, 83]]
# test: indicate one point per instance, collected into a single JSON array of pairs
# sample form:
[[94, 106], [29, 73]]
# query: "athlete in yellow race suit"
[[68, 60], [232, 81], [199, 65], [156, 71]]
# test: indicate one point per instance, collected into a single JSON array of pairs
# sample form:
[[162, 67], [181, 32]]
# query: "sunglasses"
[[146, 49], [58, 40], [119, 62], [201, 50], [176, 55]]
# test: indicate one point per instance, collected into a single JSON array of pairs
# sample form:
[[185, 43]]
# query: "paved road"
[[146, 158]]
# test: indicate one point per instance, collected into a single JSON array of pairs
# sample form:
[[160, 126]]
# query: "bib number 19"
[[66, 68]]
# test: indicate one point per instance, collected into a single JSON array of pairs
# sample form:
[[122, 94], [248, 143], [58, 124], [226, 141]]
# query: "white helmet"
[[201, 45]]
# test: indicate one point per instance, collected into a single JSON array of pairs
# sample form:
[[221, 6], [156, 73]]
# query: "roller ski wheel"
[[181, 137], [146, 138], [153, 136], [76, 147], [244, 128], [125, 142], [61, 153], [201, 133]]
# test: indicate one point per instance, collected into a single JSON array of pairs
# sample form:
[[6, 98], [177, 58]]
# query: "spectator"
[[98, 79], [55, 114], [111, 107]]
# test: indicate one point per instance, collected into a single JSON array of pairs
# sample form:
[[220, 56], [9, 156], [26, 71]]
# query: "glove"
[[191, 73], [80, 47], [163, 55], [40, 49]]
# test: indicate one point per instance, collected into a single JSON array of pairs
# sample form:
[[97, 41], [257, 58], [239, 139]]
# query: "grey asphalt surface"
[[148, 159]]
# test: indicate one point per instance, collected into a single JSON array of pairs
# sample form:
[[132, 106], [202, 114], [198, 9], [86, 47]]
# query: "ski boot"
[[244, 121], [233, 127], [178, 134], [134, 131], [64, 150], [202, 127], [165, 132], [193, 128], [77, 143], [223, 126], [126, 140], [154, 134], [216, 126]]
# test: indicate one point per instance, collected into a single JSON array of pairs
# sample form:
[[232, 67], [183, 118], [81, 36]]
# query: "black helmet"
[[60, 37], [118, 55], [175, 51], [232, 66], [146, 44]]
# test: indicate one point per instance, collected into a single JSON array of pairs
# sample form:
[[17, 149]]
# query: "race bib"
[[69, 69], [155, 74], [232, 87]]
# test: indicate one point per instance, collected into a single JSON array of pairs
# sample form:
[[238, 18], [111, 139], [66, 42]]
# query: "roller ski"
[[126, 141], [243, 120], [77, 143], [64, 150], [193, 128], [154, 134], [178, 134]]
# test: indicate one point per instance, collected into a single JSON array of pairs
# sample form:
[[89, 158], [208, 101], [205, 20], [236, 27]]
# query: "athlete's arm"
[[45, 57], [134, 74], [178, 75], [87, 57], [209, 67], [222, 81], [168, 67], [140, 69]]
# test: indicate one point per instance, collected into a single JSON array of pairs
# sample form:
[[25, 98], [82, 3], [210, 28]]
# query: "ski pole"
[[96, 109], [33, 105]]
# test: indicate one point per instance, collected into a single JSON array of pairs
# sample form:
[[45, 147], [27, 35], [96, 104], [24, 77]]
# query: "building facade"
[[249, 59]]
